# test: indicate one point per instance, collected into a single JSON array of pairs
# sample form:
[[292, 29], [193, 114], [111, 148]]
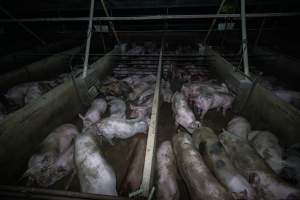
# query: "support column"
[[88, 41], [244, 38]]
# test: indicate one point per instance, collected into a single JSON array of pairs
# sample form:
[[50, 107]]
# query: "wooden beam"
[[149, 166]]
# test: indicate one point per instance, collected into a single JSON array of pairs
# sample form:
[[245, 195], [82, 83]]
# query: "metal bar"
[[244, 38], [88, 41], [110, 23], [213, 22], [149, 168], [23, 26], [155, 17], [260, 31]]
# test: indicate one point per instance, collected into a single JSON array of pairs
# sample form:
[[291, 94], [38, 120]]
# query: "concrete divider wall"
[[21, 132]]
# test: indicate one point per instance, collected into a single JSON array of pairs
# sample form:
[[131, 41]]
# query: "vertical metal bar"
[[244, 38], [23, 26], [110, 22], [260, 32], [88, 41], [149, 168], [213, 23]]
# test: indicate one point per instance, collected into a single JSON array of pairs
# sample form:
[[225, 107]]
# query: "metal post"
[[260, 32], [23, 26], [110, 22], [213, 22], [244, 38], [149, 166], [88, 41]]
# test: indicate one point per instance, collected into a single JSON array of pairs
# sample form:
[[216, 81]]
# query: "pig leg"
[[204, 111]]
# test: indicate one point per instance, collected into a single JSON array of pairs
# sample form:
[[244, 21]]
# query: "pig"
[[205, 102], [167, 187], [191, 90], [97, 108], [138, 90], [147, 94], [166, 91], [151, 79], [240, 127], [132, 80], [94, 172], [267, 146], [54, 158], [134, 173], [33, 93], [253, 168], [16, 94], [111, 128], [207, 142], [141, 111], [289, 96], [183, 114], [200, 182], [117, 107]]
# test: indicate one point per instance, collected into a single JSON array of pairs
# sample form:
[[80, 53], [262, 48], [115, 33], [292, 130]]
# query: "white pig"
[[205, 102], [33, 92], [117, 107], [94, 173], [112, 127], [183, 114], [267, 146], [97, 108], [166, 169], [43, 167], [239, 126]]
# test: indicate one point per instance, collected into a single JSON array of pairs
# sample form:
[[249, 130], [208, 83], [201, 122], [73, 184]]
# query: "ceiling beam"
[[154, 17]]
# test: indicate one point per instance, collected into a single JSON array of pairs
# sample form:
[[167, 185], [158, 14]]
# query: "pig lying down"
[[97, 108], [134, 173], [94, 173], [117, 107], [183, 114], [207, 142], [54, 160], [254, 168], [111, 128], [167, 187], [240, 127]]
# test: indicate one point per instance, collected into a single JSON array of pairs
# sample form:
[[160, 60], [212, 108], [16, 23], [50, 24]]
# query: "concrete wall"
[[264, 110]]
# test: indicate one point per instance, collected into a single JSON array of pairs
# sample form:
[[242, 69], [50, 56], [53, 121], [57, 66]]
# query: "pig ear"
[[81, 117]]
